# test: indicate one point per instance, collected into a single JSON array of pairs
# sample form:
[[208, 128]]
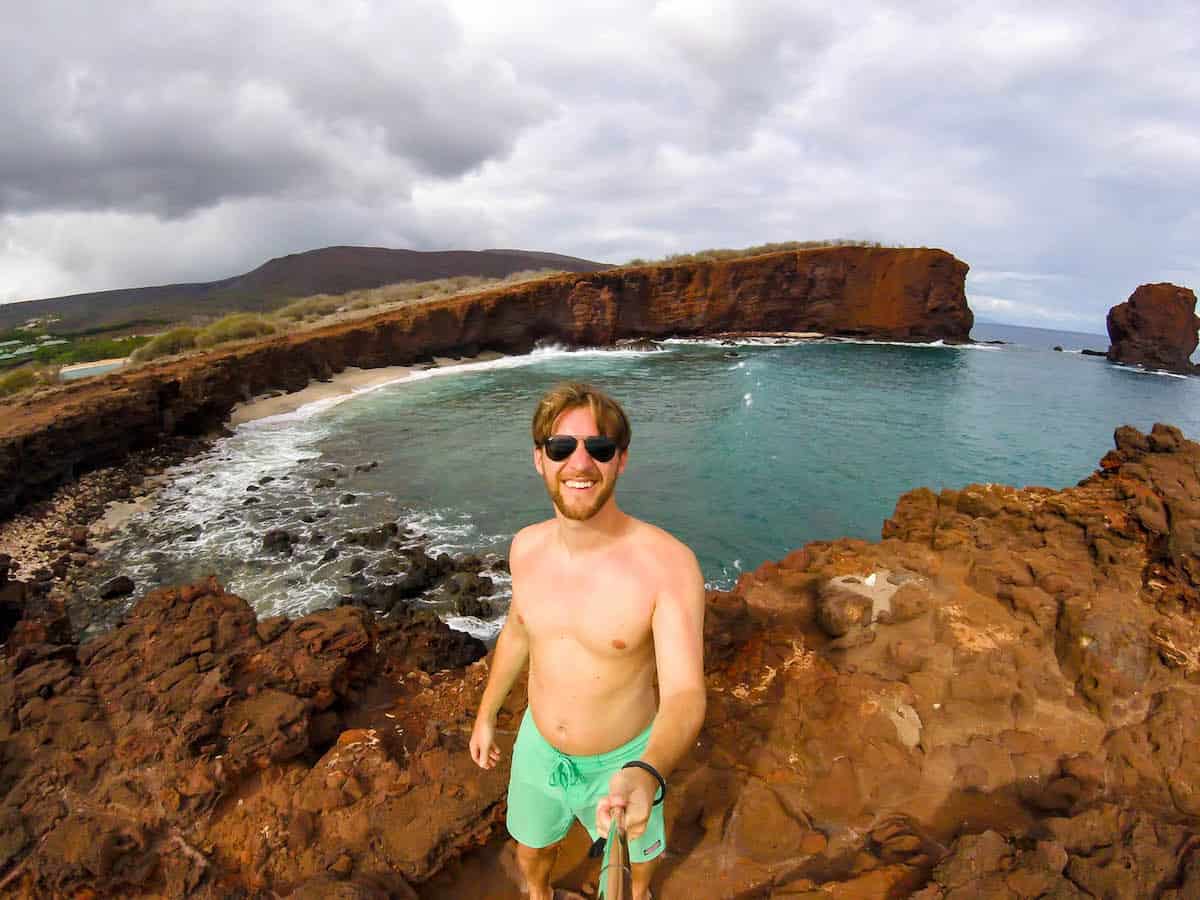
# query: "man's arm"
[[508, 659], [678, 627]]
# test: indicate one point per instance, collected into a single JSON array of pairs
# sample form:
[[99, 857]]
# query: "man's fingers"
[[603, 817]]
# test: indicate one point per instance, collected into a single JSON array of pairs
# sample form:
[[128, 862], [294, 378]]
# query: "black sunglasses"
[[558, 447]]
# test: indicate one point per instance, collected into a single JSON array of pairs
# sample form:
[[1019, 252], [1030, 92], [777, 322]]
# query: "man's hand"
[[632, 790], [483, 743]]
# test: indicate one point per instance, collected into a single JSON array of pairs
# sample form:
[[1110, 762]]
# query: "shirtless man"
[[609, 613]]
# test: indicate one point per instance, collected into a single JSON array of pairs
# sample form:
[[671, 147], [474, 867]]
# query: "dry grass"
[[25, 378], [177, 340], [758, 250], [321, 309], [235, 327], [402, 293]]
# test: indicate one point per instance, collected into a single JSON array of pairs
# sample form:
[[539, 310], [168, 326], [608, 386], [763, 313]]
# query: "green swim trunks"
[[547, 789]]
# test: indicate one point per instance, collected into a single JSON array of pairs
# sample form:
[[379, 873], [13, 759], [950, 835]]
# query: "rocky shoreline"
[[999, 698]]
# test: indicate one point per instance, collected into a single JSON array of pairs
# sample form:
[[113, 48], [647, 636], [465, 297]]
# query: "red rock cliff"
[[874, 292], [1156, 328]]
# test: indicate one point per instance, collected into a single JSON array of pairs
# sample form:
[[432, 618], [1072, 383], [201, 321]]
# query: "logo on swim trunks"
[[652, 848]]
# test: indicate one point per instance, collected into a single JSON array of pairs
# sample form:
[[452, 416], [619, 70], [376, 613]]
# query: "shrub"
[[236, 327], [317, 305], [174, 341], [17, 380]]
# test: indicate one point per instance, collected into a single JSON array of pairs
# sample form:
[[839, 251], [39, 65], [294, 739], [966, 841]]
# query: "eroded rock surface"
[[1156, 328], [196, 751]]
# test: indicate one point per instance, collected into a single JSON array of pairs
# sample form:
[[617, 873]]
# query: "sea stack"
[[1155, 328]]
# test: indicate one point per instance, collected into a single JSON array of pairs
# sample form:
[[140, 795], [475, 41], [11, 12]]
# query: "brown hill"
[[330, 270]]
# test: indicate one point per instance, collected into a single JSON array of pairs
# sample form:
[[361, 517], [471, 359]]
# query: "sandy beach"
[[349, 381]]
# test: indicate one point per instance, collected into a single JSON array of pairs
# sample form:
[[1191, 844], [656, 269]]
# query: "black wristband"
[[662, 782]]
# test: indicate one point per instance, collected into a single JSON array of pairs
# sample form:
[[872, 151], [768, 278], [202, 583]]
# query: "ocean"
[[743, 452]]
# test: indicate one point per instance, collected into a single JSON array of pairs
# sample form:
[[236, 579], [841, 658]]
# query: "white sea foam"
[[1140, 371], [827, 339], [936, 345], [485, 630], [538, 355], [742, 341]]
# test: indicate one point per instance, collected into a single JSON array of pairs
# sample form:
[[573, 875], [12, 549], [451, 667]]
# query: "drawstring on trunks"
[[565, 774]]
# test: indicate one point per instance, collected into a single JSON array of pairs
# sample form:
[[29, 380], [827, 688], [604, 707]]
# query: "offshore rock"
[[1155, 328], [897, 294]]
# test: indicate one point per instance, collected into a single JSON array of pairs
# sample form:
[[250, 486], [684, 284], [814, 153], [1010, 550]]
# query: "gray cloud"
[[1055, 144], [169, 108]]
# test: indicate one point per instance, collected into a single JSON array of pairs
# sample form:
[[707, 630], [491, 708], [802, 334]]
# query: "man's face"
[[578, 485]]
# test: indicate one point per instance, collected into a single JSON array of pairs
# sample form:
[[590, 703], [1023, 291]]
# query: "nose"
[[580, 461]]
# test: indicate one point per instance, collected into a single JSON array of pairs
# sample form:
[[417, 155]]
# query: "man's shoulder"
[[663, 548], [527, 541]]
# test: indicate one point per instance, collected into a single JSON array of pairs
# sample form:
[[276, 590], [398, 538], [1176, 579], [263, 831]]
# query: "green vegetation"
[[236, 327], [758, 250], [89, 350], [62, 350], [168, 343]]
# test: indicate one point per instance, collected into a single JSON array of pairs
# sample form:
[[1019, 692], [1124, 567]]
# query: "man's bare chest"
[[607, 613]]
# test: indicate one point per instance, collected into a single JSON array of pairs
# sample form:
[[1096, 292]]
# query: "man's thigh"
[[538, 814]]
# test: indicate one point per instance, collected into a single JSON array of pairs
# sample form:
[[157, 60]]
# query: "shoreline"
[[95, 506], [349, 381]]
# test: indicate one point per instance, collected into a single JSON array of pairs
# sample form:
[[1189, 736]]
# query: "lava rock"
[[120, 586], [278, 540]]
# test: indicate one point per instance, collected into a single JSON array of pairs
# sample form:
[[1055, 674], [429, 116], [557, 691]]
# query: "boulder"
[[120, 586], [1155, 328]]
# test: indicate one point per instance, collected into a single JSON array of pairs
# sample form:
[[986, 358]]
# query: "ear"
[[624, 460], [537, 460]]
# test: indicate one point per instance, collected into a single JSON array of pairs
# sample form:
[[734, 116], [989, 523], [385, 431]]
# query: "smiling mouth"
[[579, 484]]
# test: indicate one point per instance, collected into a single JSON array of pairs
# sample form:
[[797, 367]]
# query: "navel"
[[620, 645]]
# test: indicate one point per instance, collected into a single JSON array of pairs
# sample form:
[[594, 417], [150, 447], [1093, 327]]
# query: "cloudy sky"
[[1053, 146]]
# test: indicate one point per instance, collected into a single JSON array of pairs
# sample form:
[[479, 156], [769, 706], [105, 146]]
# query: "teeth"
[[580, 484]]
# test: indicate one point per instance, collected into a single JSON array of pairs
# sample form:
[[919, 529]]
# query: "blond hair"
[[610, 418]]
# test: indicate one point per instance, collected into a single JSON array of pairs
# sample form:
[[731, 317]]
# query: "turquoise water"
[[742, 457], [88, 371]]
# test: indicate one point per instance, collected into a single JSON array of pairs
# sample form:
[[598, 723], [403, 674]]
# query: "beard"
[[580, 508]]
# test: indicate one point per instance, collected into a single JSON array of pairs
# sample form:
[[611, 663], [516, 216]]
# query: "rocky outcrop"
[[873, 292], [1156, 328], [999, 698], [196, 751]]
